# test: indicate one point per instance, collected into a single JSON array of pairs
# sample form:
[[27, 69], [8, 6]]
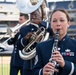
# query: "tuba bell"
[[27, 7]]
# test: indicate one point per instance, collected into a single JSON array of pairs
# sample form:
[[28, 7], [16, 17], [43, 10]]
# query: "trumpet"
[[55, 47]]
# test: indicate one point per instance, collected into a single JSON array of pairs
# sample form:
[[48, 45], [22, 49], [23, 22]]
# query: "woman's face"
[[59, 21]]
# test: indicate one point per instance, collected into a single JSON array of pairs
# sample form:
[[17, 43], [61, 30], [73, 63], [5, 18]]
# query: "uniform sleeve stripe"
[[40, 71], [22, 43], [19, 36], [72, 69]]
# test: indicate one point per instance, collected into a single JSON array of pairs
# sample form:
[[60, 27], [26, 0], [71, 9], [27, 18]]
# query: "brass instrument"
[[27, 7], [55, 47], [12, 30], [30, 50]]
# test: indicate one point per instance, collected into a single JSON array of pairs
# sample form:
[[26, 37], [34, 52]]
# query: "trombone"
[[18, 26], [9, 32], [14, 29]]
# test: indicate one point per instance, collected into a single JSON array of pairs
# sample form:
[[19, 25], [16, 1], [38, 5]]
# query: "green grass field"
[[5, 69], [5, 66]]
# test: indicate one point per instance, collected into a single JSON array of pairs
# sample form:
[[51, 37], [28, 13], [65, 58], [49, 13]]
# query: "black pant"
[[28, 72], [15, 69]]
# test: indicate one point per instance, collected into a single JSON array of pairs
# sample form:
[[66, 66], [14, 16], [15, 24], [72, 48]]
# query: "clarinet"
[[55, 47]]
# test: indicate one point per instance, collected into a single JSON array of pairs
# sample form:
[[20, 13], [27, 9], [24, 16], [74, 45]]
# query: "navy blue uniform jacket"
[[15, 59], [21, 42], [67, 48]]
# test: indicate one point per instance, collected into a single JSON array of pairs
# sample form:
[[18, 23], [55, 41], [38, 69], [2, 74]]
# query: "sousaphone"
[[27, 7]]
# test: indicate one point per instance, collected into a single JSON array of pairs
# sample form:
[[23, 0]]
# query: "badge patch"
[[68, 53]]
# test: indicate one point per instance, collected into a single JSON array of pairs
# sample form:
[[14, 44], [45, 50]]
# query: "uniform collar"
[[65, 38]]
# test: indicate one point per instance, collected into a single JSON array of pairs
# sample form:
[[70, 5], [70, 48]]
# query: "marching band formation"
[[32, 54]]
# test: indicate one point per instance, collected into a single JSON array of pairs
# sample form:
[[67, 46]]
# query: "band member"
[[65, 53], [16, 63], [26, 32]]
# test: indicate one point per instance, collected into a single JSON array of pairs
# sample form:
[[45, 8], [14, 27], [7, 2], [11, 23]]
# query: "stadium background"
[[9, 15]]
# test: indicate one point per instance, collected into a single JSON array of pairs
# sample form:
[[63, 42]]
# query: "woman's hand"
[[58, 58], [49, 68]]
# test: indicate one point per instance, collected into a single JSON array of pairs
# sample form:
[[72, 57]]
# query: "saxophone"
[[55, 47]]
